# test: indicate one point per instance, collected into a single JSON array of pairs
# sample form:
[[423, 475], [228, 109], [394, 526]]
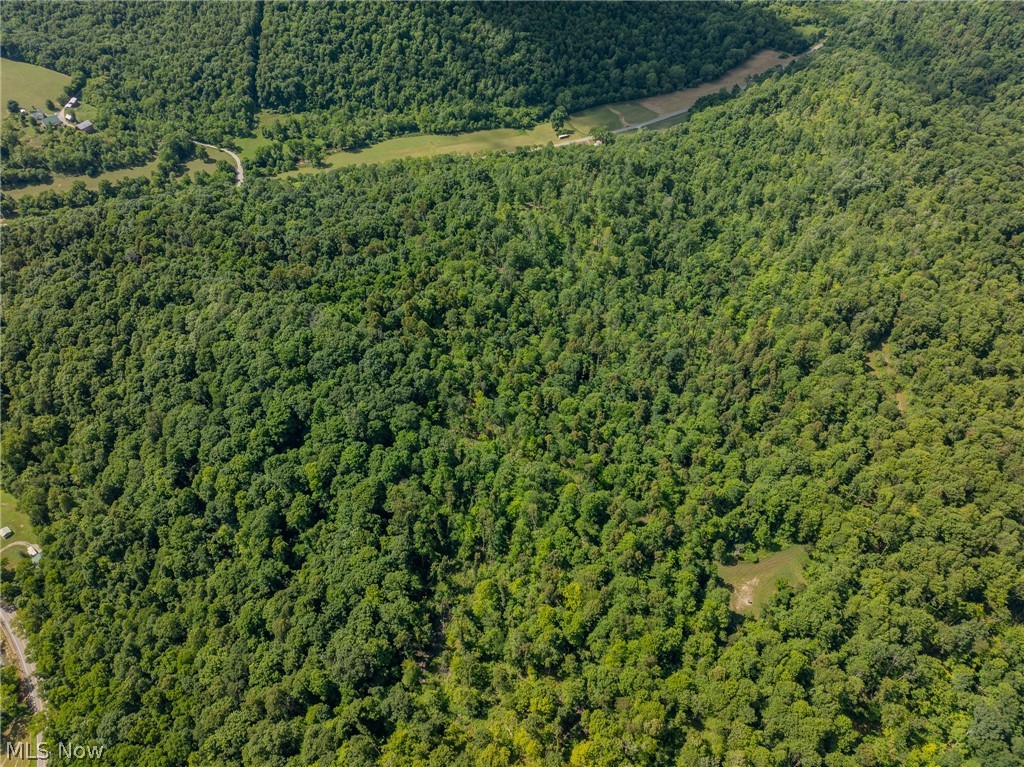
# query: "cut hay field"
[[606, 117], [429, 145], [756, 65], [29, 85], [610, 117], [753, 583], [625, 113]]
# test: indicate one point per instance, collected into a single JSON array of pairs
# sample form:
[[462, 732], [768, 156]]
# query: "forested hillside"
[[354, 73], [152, 70], [368, 71], [431, 463]]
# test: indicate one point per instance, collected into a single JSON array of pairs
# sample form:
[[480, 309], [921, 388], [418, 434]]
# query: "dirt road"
[[26, 668], [239, 171], [63, 117]]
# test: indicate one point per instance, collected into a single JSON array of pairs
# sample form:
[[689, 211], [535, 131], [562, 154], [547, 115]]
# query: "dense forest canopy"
[[367, 71], [431, 463], [488, 56], [354, 73], [153, 70]]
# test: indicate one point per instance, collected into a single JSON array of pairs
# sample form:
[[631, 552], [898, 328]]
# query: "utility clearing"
[[753, 583]]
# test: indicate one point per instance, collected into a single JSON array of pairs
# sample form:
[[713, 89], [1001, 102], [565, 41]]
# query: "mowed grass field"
[[428, 145], [607, 117], [587, 122], [594, 120], [753, 583], [247, 146], [11, 517], [29, 85]]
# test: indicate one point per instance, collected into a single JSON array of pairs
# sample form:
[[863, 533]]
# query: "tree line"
[[350, 73], [431, 462]]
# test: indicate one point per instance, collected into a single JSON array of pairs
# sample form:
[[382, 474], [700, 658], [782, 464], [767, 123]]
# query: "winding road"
[[26, 667], [239, 171]]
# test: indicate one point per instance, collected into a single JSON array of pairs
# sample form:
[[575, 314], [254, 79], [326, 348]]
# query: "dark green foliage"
[[378, 69], [429, 463], [12, 705], [151, 69], [367, 70], [145, 65]]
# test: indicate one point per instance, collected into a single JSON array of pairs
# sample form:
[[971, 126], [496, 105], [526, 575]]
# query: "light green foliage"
[[430, 462]]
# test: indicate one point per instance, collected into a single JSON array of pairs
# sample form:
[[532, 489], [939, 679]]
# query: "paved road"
[[239, 171], [26, 668]]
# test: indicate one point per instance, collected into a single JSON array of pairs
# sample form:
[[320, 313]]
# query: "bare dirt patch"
[[754, 583]]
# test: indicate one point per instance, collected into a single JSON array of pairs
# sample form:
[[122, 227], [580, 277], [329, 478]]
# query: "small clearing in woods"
[[18, 521], [753, 583], [880, 362]]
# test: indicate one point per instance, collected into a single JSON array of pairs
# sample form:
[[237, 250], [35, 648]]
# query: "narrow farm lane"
[[239, 171], [26, 668]]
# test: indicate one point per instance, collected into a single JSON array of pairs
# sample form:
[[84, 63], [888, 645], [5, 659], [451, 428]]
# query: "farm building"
[[32, 550], [72, 102], [51, 122], [6, 532], [86, 126], [38, 114]]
